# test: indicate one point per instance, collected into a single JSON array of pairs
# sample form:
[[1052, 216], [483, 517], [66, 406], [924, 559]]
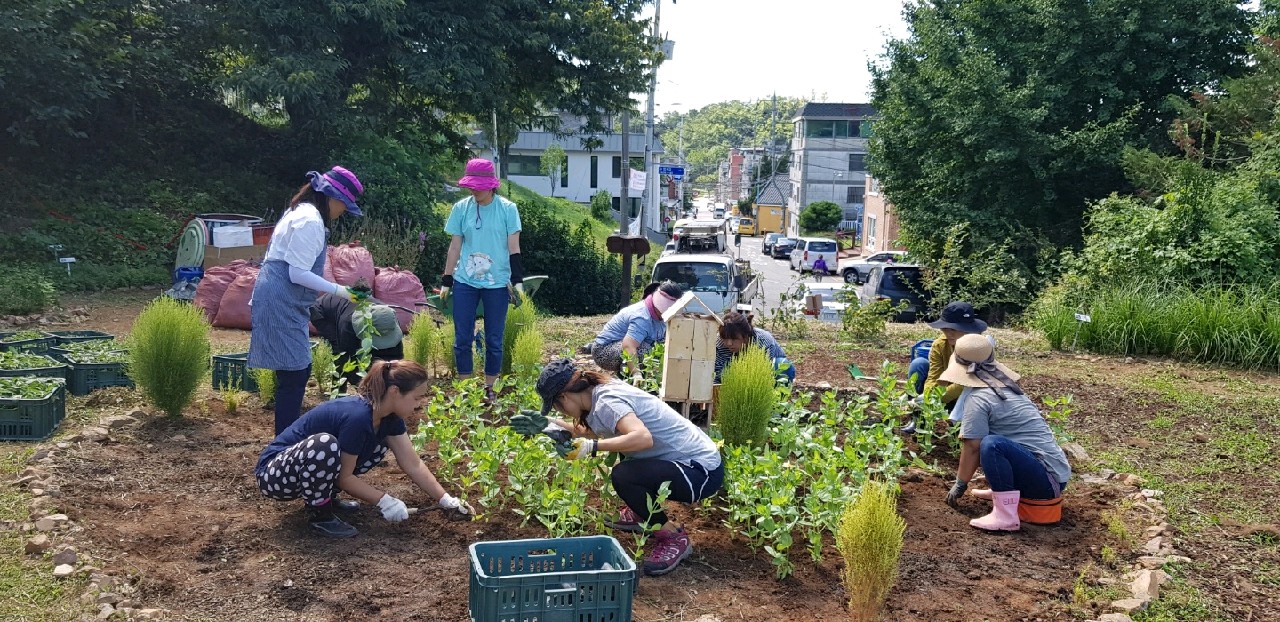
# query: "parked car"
[[808, 249], [782, 248], [669, 248], [835, 298], [747, 226], [767, 246], [856, 269], [897, 283], [718, 212]]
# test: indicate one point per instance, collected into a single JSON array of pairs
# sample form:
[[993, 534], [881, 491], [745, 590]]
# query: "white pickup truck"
[[856, 269], [717, 279]]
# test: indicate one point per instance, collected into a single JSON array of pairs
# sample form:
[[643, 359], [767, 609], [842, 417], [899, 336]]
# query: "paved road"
[[777, 276]]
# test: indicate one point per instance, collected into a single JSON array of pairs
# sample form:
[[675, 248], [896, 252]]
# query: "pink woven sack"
[[348, 263], [399, 287], [214, 284], [233, 312]]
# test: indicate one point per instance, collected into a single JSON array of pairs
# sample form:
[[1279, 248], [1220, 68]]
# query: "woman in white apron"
[[291, 279]]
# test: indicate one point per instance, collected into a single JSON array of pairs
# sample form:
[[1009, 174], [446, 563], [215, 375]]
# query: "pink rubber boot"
[[1004, 513]]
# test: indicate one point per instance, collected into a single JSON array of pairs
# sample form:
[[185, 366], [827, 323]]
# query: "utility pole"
[[650, 194], [624, 208], [680, 185]]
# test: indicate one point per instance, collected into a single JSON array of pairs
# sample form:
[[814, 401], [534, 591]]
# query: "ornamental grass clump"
[[422, 345], [169, 353], [526, 354], [747, 397], [870, 541], [266, 380], [519, 320], [323, 367]]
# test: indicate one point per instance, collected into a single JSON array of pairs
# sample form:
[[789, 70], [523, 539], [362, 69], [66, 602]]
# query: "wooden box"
[[689, 360]]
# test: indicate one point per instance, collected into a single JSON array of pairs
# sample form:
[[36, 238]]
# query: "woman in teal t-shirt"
[[483, 266]]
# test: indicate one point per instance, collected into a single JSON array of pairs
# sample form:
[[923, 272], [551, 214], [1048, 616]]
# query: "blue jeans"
[[917, 372], [465, 300], [1009, 466]]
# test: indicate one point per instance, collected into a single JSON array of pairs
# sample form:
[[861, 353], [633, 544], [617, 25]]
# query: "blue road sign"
[[674, 170]]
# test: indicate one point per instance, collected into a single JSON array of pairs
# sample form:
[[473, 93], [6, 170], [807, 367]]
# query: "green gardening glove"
[[528, 423]]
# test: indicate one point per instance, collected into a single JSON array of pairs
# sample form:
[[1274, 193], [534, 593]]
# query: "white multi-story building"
[[829, 159]]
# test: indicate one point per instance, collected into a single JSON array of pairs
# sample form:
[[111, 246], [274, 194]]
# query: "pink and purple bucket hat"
[[480, 175], [340, 184]]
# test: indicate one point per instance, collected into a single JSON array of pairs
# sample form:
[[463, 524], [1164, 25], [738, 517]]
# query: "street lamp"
[[833, 191]]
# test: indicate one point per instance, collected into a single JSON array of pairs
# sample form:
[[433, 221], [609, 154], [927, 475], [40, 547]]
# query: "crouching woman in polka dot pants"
[[327, 449]]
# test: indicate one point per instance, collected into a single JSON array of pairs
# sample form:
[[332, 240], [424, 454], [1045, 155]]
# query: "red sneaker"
[[670, 548], [626, 521]]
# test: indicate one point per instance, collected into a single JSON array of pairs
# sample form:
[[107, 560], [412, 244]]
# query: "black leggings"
[[638, 480], [290, 387]]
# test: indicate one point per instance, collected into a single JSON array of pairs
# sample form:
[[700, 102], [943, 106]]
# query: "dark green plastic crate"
[[32, 420], [38, 346], [60, 354], [83, 378], [551, 580], [55, 369], [233, 370], [63, 337]]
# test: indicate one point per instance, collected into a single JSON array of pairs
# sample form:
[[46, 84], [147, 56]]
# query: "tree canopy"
[[1012, 115], [710, 131]]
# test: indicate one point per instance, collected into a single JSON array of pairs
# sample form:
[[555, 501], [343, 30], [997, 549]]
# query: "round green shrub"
[[169, 353]]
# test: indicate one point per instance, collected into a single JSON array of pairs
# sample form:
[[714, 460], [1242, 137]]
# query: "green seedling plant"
[[28, 387], [98, 351], [785, 319], [651, 363], [232, 396], [1059, 411], [648, 529], [19, 359], [22, 335]]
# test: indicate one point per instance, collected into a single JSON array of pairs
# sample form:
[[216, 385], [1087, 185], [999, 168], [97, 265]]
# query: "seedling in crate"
[[28, 388]]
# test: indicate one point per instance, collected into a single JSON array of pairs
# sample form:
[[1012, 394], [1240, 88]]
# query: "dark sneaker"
[[669, 549], [626, 521], [489, 395], [322, 519]]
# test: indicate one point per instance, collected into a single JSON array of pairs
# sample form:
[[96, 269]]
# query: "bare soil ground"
[[172, 502]]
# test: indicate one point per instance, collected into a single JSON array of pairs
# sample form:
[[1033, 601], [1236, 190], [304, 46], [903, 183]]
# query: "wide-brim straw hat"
[[974, 349]]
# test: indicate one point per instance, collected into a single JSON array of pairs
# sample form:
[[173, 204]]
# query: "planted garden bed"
[[14, 363], [31, 407]]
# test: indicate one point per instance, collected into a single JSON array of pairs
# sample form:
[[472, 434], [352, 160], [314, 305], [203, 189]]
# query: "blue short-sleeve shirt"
[[349, 419], [636, 322], [484, 262]]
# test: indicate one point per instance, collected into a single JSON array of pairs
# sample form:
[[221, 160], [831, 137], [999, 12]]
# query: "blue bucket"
[[921, 349], [193, 274]]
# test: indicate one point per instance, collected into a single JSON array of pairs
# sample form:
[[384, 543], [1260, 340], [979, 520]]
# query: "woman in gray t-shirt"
[[657, 444], [1002, 428]]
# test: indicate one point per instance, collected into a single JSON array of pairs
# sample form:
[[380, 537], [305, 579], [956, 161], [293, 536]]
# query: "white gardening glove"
[[393, 509], [455, 508], [344, 293]]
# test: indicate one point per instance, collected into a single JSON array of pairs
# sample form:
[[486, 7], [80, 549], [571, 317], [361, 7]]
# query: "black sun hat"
[[959, 315], [553, 380]]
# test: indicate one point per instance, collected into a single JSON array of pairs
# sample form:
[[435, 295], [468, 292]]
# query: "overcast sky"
[[749, 49]]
